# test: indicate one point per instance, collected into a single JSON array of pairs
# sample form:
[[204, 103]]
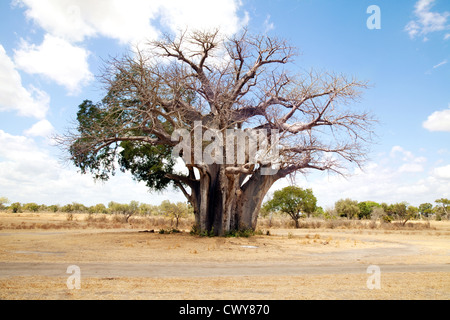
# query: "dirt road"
[[163, 270]]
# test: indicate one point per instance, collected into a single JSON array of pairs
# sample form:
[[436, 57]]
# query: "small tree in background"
[[127, 210], [98, 208], [31, 207], [426, 209], [3, 202], [54, 208], [175, 211], [16, 207], [366, 208], [443, 208], [293, 201], [402, 211], [347, 208]]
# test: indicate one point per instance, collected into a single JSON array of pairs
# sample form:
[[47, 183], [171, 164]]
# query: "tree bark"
[[222, 203]]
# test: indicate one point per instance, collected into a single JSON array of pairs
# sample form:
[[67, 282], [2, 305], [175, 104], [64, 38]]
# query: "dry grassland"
[[119, 261]]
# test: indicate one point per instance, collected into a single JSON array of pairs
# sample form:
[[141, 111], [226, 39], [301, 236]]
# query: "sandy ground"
[[289, 264]]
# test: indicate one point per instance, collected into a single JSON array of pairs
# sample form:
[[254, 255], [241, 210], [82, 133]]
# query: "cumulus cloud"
[[132, 20], [405, 154], [438, 121], [56, 59], [202, 14], [74, 20], [29, 102], [29, 173], [411, 167], [42, 128], [426, 21], [442, 172], [70, 22]]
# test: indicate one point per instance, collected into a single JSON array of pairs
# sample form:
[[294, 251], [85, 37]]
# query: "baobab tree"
[[178, 96]]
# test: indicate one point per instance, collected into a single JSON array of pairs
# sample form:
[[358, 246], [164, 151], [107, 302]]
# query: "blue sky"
[[51, 51]]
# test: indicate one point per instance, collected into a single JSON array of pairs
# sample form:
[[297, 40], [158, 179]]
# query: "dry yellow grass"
[[123, 263], [428, 286]]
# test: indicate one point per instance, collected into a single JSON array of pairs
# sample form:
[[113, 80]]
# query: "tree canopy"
[[293, 201], [203, 84]]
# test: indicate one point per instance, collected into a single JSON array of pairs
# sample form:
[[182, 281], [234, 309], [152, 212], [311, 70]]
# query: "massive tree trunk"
[[223, 202]]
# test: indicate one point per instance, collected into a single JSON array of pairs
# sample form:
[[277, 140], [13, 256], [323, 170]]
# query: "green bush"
[[16, 207]]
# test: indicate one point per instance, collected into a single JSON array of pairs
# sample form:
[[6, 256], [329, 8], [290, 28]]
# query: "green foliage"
[[54, 208], [149, 164], [347, 208], [98, 208], [366, 208], [148, 209], [319, 212], [3, 202], [92, 121], [402, 211], [101, 122], [16, 207], [175, 211], [293, 201], [195, 231], [78, 207], [68, 208], [127, 210], [242, 233], [426, 209], [168, 231], [443, 207], [31, 207]]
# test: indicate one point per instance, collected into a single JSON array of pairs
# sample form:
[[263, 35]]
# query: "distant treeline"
[[134, 207], [344, 208]]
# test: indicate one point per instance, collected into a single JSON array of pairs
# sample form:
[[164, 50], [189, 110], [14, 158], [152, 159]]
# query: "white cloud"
[[74, 20], [440, 64], [383, 181], [426, 21], [30, 102], [411, 167], [202, 14], [56, 59], [130, 21], [69, 22], [438, 121], [42, 128], [30, 174], [442, 172], [268, 26], [406, 155], [413, 164], [380, 183]]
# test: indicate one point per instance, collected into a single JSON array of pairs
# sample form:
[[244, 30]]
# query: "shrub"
[[16, 207], [240, 233], [32, 207]]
